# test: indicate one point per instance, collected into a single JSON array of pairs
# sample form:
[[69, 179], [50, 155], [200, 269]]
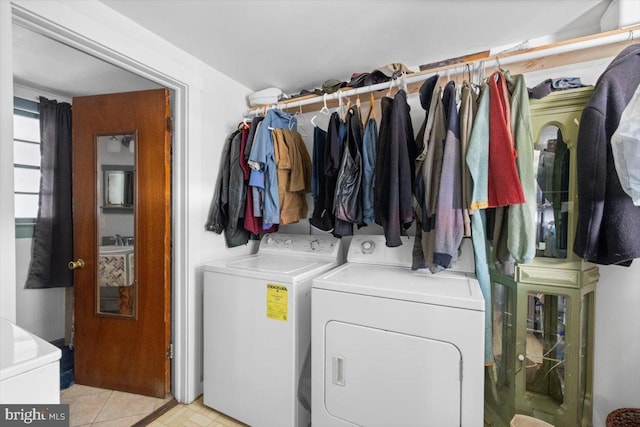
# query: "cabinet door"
[[554, 123]]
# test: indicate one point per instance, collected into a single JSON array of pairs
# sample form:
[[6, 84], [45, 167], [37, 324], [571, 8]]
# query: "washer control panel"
[[300, 243]]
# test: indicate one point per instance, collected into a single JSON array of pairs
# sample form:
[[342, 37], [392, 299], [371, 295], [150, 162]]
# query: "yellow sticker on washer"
[[277, 302]]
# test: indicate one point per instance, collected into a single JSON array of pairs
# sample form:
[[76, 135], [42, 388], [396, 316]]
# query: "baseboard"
[[156, 414]]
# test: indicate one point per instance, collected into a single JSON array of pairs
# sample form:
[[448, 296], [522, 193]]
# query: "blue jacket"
[[262, 158]]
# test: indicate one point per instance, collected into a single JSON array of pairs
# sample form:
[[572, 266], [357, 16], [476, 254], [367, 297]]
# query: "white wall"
[[7, 227], [39, 311], [617, 335]]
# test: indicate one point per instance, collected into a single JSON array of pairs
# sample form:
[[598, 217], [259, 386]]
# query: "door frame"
[[182, 387]]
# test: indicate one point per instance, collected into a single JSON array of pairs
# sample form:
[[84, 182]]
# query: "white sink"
[[115, 249]]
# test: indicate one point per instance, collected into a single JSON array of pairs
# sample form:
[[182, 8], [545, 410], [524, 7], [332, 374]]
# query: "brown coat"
[[293, 165]]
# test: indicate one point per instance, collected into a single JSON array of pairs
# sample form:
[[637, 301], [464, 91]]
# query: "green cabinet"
[[543, 315]]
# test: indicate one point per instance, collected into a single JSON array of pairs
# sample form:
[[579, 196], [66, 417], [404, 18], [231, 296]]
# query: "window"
[[26, 164]]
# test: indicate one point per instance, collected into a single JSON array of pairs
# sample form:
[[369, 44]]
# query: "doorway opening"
[[23, 20]]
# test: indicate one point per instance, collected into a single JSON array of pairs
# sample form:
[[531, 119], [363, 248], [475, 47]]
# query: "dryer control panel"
[[291, 244], [372, 249]]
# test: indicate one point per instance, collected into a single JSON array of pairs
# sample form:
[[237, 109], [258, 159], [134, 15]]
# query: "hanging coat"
[[317, 159], [369, 143], [252, 223], [347, 202], [468, 109], [230, 195], [262, 159], [322, 217], [478, 152], [468, 114], [449, 221], [504, 187], [432, 134], [294, 174], [608, 230], [521, 240], [395, 169], [341, 227]]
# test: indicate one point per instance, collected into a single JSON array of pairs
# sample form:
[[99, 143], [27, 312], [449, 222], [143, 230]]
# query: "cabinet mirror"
[[551, 164]]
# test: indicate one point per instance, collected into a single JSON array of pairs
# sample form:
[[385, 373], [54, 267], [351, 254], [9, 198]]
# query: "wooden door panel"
[[116, 352]]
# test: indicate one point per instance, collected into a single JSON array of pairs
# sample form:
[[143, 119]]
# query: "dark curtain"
[[53, 234]]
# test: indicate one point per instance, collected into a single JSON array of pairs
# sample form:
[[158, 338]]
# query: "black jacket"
[[226, 213], [608, 230], [322, 217], [395, 169], [347, 202]]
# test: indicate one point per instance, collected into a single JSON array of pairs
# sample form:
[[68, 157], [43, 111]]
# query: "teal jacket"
[[521, 240], [478, 153]]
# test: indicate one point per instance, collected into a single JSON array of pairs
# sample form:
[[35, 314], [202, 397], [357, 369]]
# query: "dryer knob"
[[269, 240], [367, 246], [315, 244], [288, 242]]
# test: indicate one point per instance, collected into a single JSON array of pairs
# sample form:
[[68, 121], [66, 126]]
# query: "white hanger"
[[390, 87], [298, 115], [324, 110], [274, 106]]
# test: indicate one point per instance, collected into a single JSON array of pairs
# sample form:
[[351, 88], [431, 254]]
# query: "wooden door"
[[122, 344]]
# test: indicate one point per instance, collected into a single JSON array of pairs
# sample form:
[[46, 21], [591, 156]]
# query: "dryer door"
[[375, 377]]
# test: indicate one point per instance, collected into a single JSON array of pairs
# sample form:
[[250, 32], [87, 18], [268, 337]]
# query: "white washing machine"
[[257, 314], [395, 347]]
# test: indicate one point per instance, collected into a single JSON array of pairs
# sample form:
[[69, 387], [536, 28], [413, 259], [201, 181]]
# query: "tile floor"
[[195, 414], [90, 406]]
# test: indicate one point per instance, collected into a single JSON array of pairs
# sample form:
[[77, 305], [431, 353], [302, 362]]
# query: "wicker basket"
[[624, 417]]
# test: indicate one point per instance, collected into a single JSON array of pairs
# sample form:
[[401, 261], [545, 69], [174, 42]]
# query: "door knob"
[[79, 263]]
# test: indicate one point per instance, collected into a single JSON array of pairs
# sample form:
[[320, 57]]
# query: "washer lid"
[[21, 351], [452, 290], [273, 267]]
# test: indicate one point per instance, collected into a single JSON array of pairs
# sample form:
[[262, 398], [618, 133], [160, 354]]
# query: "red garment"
[[246, 171], [504, 187]]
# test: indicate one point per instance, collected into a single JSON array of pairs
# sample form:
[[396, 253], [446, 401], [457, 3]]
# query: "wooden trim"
[[582, 39], [552, 60]]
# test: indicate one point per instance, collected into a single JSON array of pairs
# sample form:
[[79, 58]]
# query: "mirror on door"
[[116, 284], [551, 164]]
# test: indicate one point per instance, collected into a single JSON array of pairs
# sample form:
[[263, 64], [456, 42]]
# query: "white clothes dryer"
[[257, 315], [395, 347]]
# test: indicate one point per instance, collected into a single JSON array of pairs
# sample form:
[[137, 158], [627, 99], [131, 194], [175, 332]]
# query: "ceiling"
[[295, 45], [42, 63]]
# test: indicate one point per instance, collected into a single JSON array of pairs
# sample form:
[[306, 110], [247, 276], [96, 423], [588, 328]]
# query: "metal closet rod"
[[500, 59]]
